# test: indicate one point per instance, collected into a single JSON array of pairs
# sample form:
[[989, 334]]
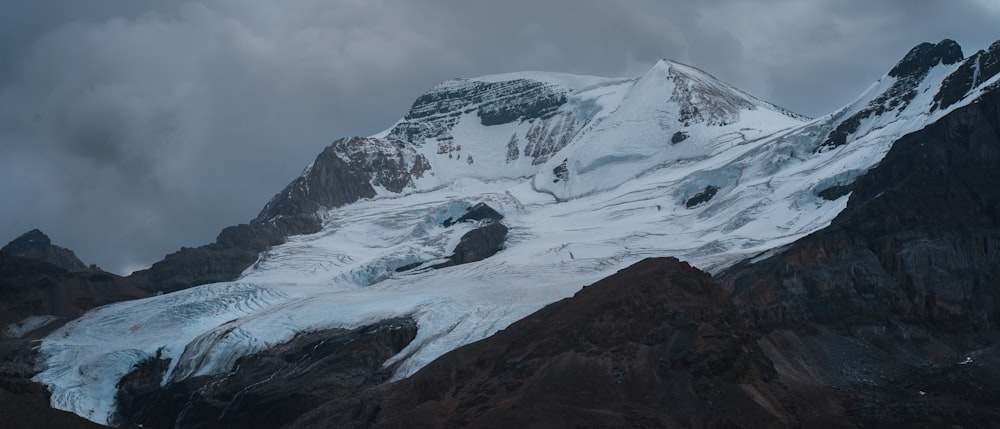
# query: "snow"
[[27, 325], [625, 199]]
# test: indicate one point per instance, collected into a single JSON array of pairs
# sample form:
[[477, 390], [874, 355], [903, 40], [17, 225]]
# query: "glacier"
[[589, 180]]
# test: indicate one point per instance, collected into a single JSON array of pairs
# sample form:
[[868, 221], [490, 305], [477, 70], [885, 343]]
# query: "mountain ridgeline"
[[792, 272]]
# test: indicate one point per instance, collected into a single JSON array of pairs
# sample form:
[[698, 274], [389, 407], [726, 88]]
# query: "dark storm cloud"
[[129, 129]]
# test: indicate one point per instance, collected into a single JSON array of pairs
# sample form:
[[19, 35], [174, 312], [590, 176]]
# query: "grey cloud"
[[130, 129]]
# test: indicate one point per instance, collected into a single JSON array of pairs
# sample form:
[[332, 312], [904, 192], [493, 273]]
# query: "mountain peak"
[[36, 245], [34, 239], [924, 56]]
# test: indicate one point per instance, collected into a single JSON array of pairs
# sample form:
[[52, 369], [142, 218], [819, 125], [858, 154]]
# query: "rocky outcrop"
[[35, 298], [890, 315], [36, 245], [702, 197], [480, 243], [478, 213], [909, 73], [234, 250], [975, 71], [33, 288], [435, 113], [269, 389], [656, 345], [476, 245], [346, 171]]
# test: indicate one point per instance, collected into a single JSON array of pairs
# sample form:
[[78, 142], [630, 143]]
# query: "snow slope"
[[598, 182]]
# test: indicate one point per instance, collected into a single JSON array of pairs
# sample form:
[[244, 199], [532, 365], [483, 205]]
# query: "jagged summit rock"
[[974, 71], [929, 78], [36, 245], [30, 240], [922, 57]]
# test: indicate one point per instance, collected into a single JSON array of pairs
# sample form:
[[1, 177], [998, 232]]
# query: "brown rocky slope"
[[656, 345]]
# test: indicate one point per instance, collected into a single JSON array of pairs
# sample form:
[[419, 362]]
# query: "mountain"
[[490, 199], [36, 245]]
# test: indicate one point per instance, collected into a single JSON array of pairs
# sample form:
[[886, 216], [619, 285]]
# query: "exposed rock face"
[[269, 389], [477, 213], [475, 245], [478, 244], [346, 171], [36, 245], [975, 71], [886, 302], [701, 197], [435, 113], [704, 102], [548, 136], [235, 249], [909, 73], [32, 288], [922, 57], [656, 345]]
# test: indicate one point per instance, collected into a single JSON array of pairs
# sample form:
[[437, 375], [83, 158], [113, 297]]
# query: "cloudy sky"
[[131, 128]]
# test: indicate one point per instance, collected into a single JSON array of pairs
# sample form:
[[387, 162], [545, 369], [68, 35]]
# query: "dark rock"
[[269, 389], [29, 287], [476, 245], [22, 411], [497, 102], [656, 345], [435, 113], [561, 171], [834, 192], [884, 303], [235, 249], [329, 182], [548, 136], [343, 173], [707, 102], [480, 212], [408, 267], [909, 72], [975, 71], [36, 245], [477, 213], [925, 56], [32, 288], [513, 152], [678, 137], [701, 197]]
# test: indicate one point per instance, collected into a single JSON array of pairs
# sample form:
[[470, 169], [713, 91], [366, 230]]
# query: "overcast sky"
[[131, 128]]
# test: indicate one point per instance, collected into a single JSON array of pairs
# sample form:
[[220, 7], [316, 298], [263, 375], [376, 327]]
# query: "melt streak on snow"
[[622, 194]]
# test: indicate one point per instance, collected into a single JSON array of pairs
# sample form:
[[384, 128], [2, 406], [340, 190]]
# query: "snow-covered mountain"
[[588, 174]]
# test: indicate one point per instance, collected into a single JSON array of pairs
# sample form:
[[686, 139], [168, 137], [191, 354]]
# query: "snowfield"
[[627, 192]]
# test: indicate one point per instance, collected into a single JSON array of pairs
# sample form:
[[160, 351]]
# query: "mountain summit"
[[36, 245]]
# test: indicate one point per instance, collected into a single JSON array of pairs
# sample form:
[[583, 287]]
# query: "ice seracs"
[[590, 174]]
